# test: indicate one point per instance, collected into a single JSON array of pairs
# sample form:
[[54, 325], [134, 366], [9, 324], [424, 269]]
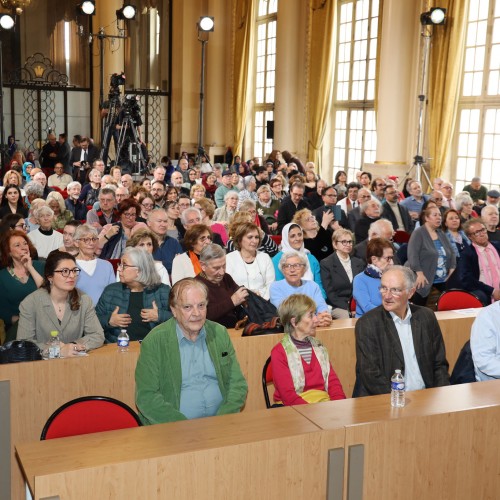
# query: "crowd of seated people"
[[100, 252]]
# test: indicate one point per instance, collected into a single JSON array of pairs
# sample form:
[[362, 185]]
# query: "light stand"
[[436, 16], [204, 26]]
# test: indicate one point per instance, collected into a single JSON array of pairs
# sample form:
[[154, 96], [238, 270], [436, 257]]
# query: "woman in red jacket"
[[302, 371]]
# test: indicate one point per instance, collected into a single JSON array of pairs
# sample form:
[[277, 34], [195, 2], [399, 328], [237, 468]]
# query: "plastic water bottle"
[[397, 389], [123, 341], [54, 345]]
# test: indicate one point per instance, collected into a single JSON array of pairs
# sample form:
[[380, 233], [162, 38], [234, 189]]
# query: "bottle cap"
[[398, 371], [54, 333]]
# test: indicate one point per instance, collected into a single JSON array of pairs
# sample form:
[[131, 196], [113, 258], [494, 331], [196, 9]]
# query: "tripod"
[[129, 146], [109, 129]]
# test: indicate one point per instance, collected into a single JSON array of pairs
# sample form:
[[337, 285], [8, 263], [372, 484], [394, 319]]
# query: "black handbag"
[[16, 351], [258, 309]]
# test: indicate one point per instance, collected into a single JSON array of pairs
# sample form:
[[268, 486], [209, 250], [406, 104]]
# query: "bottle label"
[[123, 342], [398, 386], [54, 352]]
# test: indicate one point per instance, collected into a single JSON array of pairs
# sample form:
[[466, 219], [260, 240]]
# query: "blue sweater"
[[366, 293], [94, 285], [280, 290]]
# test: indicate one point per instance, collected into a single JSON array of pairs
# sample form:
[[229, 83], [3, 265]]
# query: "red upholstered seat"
[[457, 299], [87, 415], [276, 238], [401, 236]]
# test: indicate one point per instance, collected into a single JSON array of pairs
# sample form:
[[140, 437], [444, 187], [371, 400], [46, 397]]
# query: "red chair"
[[87, 415], [276, 238], [114, 263], [352, 307], [401, 236], [457, 299], [267, 378]]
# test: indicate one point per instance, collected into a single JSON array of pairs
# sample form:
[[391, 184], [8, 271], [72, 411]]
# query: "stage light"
[[435, 16], [206, 23], [87, 7], [126, 13], [7, 21]]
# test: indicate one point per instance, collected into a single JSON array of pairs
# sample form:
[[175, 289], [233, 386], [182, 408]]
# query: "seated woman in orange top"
[[302, 371]]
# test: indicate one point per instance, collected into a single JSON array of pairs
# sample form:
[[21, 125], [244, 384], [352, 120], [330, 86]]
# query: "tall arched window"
[[354, 120], [265, 76], [477, 134]]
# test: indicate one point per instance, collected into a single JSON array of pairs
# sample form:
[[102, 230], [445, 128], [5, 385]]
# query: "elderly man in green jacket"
[[187, 367]]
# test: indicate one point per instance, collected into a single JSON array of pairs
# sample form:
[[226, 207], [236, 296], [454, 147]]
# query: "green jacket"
[[158, 375]]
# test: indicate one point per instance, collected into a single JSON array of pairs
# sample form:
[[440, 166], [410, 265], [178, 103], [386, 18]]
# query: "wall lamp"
[[127, 12], [7, 21], [436, 15], [87, 7]]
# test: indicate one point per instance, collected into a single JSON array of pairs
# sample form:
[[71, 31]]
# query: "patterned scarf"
[[295, 361]]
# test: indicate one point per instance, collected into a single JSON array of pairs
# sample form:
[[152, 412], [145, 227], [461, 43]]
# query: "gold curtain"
[[243, 64], [322, 28], [446, 59]]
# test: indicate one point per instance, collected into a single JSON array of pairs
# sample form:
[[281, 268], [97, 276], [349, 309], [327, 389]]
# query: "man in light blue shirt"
[[485, 343]]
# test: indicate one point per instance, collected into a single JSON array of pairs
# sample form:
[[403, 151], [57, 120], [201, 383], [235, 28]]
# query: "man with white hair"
[[364, 194], [127, 181], [381, 228], [447, 190], [41, 179], [370, 212], [121, 194]]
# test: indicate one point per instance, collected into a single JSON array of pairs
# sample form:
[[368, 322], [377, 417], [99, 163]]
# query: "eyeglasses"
[[124, 266], [293, 266], [129, 215], [87, 241], [387, 259], [205, 238], [67, 272], [21, 226], [147, 205], [396, 292], [478, 232], [346, 242]]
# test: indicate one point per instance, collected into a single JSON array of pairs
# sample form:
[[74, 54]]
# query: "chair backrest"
[[401, 236], [352, 307], [457, 299], [114, 263], [267, 378], [87, 415], [276, 238]]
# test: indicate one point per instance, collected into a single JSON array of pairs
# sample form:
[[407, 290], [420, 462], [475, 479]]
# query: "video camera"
[[117, 80], [131, 107]]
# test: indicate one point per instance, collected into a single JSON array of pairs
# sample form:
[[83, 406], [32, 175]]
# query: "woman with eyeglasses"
[[187, 264], [59, 305], [139, 302], [293, 240], [293, 265], [12, 221], [147, 204], [69, 244], [96, 274], [21, 275], [12, 202], [380, 256], [430, 256], [338, 272], [113, 237]]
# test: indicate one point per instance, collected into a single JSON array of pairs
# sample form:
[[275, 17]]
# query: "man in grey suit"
[[398, 336]]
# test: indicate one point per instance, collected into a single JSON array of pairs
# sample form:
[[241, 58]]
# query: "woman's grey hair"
[[247, 180], [43, 210], [364, 206], [462, 198], [230, 194], [83, 230], [409, 276], [288, 255], [247, 205], [33, 188], [211, 252], [148, 275], [295, 306], [57, 197]]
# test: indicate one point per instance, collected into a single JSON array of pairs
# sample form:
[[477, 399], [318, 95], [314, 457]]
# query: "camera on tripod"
[[116, 81], [131, 108]]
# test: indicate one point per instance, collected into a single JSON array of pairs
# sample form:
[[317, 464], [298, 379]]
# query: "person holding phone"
[[317, 238], [338, 219]]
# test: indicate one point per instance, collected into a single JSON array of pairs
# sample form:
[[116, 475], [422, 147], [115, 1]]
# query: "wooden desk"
[[264, 454], [442, 444], [30, 392]]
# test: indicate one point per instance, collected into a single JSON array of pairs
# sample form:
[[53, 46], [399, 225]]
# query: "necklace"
[[21, 279]]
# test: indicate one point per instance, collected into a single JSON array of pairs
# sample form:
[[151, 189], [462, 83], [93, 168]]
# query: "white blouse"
[[256, 276]]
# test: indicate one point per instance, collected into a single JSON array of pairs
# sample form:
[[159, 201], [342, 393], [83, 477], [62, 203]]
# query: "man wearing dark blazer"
[[393, 211], [399, 336], [329, 204], [381, 228], [82, 158]]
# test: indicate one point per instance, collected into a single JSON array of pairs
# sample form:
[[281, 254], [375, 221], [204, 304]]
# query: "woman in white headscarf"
[[293, 240]]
